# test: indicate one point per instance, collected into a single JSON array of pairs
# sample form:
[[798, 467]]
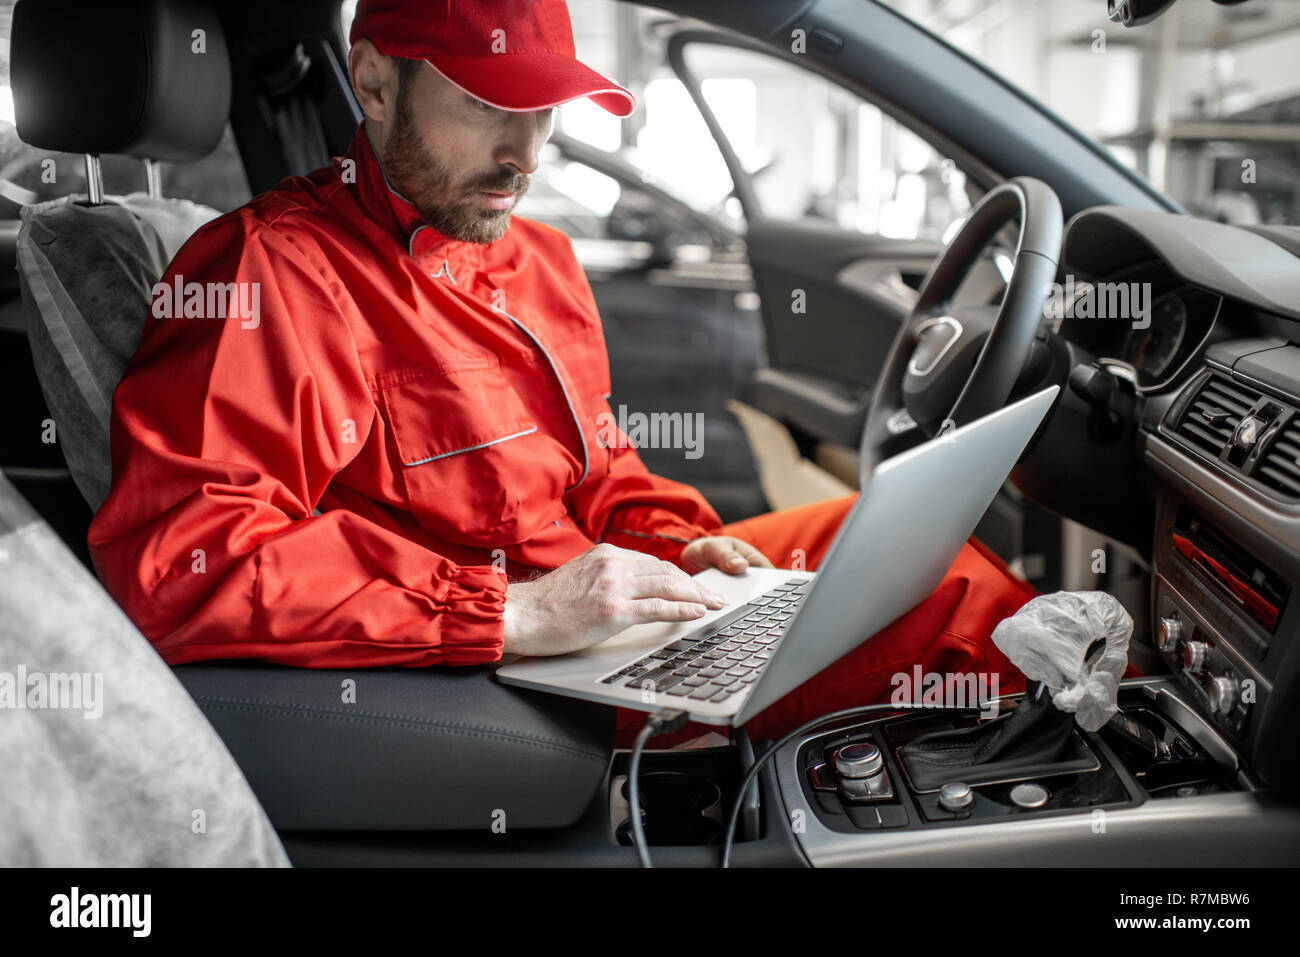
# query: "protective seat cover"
[[87, 275], [126, 772]]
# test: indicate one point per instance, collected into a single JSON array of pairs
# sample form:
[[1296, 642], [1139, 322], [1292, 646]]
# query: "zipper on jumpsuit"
[[445, 271]]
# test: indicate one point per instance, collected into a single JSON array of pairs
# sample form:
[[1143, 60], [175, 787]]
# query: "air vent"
[[1279, 469], [1214, 413]]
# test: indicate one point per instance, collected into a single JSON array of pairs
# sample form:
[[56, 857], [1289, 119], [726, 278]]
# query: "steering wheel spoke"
[[955, 365]]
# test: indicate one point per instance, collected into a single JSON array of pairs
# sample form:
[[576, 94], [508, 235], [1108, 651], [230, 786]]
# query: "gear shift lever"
[[1035, 739], [1073, 647]]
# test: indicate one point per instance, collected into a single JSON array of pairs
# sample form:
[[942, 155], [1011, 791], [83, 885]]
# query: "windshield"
[[1204, 102]]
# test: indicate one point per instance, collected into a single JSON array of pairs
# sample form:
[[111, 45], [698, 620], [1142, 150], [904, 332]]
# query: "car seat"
[[385, 749]]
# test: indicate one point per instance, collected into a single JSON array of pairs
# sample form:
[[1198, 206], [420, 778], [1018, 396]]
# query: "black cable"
[[785, 739], [662, 722], [634, 796]]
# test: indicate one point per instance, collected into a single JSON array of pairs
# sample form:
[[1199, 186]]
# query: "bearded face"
[[453, 205]]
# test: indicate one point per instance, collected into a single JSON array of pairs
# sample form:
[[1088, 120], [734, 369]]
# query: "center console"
[[1225, 451], [1159, 774], [1218, 607], [1198, 766]]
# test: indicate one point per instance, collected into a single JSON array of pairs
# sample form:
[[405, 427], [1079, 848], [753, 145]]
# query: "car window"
[[1201, 101], [572, 196], [29, 175], [813, 149], [616, 216]]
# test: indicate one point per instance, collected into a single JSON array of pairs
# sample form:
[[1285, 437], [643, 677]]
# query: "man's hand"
[[722, 551], [597, 595]]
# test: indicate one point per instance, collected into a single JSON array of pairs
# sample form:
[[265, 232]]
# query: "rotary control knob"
[[1194, 655], [858, 761], [1168, 633], [1223, 695], [956, 796], [1029, 796]]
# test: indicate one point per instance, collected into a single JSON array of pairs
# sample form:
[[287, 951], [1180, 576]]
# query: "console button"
[[956, 796], [1223, 696], [1194, 656], [864, 817], [821, 778], [829, 803], [1029, 796], [1168, 633], [892, 815]]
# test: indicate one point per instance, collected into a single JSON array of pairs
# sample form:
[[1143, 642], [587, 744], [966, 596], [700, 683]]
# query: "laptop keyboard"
[[722, 658]]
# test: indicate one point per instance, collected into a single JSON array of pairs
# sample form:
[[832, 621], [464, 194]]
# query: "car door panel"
[[832, 301], [832, 297]]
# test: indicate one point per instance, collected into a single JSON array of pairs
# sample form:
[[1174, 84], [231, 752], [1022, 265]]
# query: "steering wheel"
[[945, 367]]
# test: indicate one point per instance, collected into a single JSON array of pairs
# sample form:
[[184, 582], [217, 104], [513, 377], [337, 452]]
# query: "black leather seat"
[[432, 749], [404, 749]]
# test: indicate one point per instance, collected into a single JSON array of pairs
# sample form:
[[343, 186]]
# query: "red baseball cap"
[[512, 54]]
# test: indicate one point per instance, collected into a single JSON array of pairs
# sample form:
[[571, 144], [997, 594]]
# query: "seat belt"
[[286, 91]]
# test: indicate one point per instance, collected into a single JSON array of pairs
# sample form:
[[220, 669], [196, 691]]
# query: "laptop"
[[779, 627]]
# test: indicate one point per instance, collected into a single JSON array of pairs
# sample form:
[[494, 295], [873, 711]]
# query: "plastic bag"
[[1048, 639]]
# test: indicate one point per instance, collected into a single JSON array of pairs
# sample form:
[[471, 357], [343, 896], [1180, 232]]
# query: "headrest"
[[147, 78]]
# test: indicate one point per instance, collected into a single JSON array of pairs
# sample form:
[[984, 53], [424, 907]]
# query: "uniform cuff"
[[471, 627]]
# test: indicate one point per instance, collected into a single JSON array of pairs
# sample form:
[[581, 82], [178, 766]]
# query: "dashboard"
[[1179, 435], [1144, 324]]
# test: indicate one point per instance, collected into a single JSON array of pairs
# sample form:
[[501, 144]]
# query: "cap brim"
[[526, 82]]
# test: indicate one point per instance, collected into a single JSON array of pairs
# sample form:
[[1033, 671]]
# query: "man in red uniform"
[[363, 426]]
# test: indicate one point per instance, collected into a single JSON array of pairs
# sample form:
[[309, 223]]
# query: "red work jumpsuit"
[[342, 458]]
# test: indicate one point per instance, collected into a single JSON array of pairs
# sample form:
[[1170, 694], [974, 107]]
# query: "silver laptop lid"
[[898, 542]]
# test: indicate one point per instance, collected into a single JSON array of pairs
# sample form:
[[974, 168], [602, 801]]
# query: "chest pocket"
[[588, 367], [474, 464]]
